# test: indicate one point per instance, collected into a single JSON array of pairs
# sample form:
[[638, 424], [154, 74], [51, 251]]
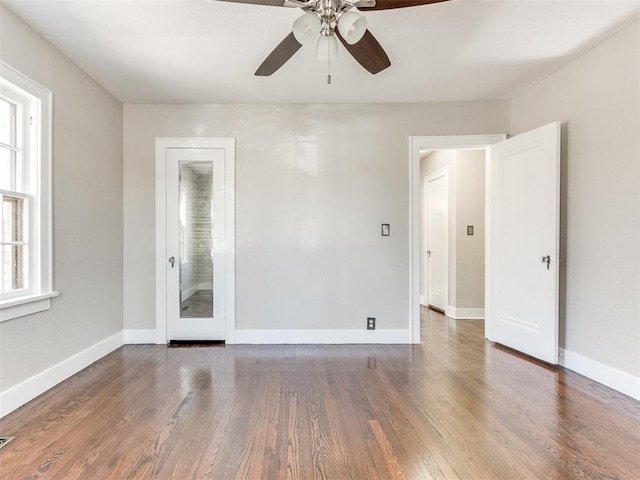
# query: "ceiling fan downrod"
[[328, 12]]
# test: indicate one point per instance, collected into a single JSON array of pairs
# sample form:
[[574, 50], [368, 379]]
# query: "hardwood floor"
[[453, 407]]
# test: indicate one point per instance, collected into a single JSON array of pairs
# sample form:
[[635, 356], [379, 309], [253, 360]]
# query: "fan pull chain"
[[328, 63]]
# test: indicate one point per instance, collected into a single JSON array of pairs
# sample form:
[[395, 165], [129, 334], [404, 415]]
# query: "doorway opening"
[[521, 240], [452, 275], [421, 147]]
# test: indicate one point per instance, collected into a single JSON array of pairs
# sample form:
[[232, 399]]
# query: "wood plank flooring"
[[454, 407]]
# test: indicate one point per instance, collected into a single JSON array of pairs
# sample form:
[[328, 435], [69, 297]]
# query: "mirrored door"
[[195, 244]]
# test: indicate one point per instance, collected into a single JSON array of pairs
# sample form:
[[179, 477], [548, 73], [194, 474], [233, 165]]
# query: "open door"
[[523, 249]]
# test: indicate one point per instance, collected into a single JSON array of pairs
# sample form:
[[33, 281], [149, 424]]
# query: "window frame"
[[37, 103]]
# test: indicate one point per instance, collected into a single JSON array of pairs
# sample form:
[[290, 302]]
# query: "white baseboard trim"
[[465, 313], [136, 337], [195, 289], [423, 301], [621, 381], [279, 337], [188, 293], [26, 391]]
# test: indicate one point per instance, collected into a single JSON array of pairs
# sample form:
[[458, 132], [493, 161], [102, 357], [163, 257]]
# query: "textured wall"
[[197, 269], [202, 241]]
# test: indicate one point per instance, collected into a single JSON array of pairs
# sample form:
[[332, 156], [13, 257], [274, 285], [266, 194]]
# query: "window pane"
[[7, 169], [14, 267], [13, 219], [7, 122]]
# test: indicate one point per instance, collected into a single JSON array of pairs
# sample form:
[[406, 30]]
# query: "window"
[[25, 196]]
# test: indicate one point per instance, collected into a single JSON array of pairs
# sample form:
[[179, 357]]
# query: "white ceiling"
[[206, 51]]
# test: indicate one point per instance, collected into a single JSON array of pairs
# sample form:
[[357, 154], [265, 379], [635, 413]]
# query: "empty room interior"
[[368, 239]]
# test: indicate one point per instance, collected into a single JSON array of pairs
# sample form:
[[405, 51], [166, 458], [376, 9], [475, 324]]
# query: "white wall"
[[596, 98], [313, 185], [470, 200], [87, 213]]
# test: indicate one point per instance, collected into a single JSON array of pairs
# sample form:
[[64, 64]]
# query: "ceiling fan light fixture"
[[352, 26], [307, 28], [327, 47]]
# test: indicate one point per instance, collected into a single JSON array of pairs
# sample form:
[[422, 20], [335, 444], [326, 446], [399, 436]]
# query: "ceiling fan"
[[322, 22]]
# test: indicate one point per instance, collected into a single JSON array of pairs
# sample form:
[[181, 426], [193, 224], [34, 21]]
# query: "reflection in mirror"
[[196, 241]]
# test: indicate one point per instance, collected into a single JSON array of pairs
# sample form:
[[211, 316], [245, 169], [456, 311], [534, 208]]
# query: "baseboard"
[[423, 301], [621, 381], [135, 337], [465, 313], [26, 391], [189, 292], [323, 336]]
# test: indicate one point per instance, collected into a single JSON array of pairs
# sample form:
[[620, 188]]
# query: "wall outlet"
[[371, 323]]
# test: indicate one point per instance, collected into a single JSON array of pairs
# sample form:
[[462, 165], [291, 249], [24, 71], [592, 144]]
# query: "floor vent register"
[[5, 440]]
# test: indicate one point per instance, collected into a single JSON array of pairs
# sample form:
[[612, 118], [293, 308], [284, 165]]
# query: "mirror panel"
[[196, 240]]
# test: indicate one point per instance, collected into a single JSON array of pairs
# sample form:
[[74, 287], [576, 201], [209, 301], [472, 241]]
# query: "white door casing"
[[225, 244], [437, 229], [523, 242]]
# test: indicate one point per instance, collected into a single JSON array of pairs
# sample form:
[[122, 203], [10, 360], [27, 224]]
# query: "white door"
[[437, 238], [523, 219], [195, 244]]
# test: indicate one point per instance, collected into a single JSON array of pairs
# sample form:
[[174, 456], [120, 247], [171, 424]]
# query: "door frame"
[[162, 145], [416, 144], [441, 173]]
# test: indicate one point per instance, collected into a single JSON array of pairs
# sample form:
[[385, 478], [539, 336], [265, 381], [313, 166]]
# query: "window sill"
[[21, 306]]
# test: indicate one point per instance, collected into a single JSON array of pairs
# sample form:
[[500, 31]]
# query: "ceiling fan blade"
[[363, 3], [297, 3], [272, 3], [279, 56], [388, 4], [368, 52]]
